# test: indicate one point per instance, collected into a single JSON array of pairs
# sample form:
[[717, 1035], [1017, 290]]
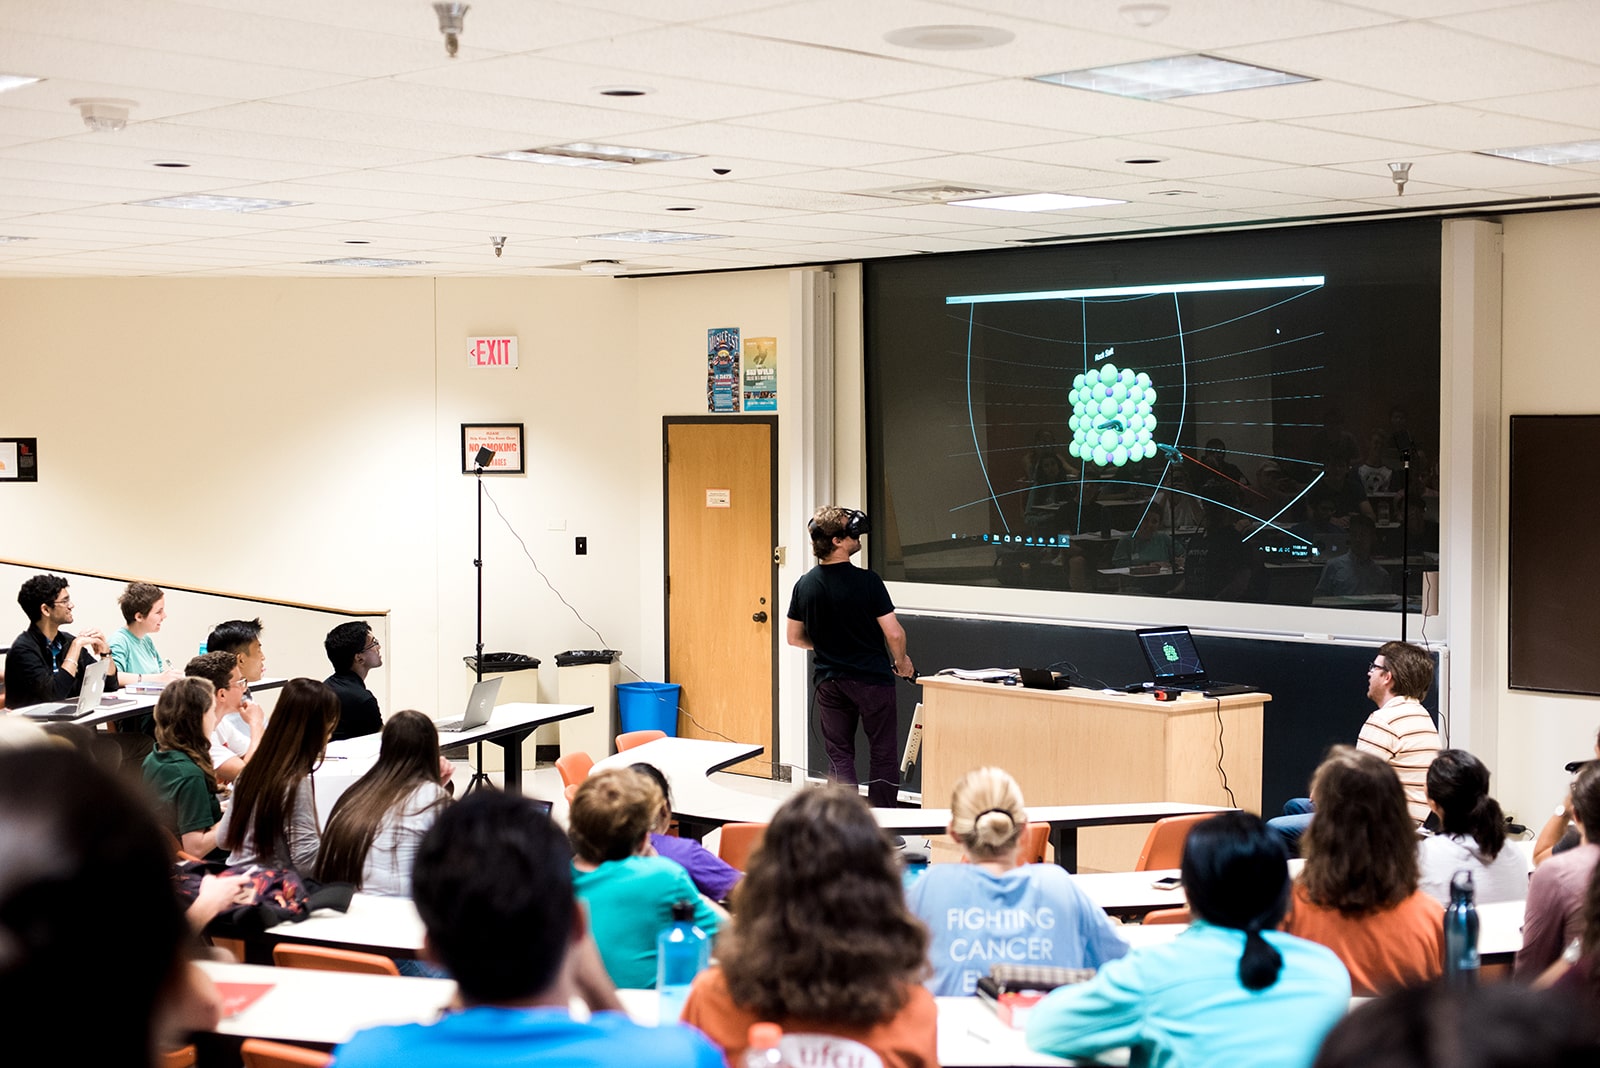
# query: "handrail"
[[195, 589]]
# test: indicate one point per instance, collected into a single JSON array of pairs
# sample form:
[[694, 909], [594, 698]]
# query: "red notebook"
[[236, 997]]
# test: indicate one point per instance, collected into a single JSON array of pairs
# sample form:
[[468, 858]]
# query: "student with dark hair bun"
[[1231, 990], [1473, 837]]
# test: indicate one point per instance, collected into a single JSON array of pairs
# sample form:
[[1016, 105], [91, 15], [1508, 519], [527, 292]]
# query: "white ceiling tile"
[[1577, 107], [728, 141], [1071, 111], [899, 126], [446, 138], [1559, 27], [1453, 126], [1288, 144], [1296, 100], [1195, 25]]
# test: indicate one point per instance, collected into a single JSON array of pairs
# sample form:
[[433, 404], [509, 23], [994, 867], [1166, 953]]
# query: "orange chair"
[[259, 1053], [178, 1058], [633, 738], [1164, 846], [322, 958], [1034, 838], [574, 768], [739, 840], [1178, 915]]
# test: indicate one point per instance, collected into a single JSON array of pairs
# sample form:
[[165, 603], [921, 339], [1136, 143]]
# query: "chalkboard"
[[1319, 690]]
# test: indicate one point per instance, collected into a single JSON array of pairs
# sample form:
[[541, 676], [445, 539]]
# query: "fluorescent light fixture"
[[1174, 76], [651, 237], [16, 81], [1310, 281], [1556, 155], [210, 202], [366, 261], [590, 154], [1035, 202], [7, 239]]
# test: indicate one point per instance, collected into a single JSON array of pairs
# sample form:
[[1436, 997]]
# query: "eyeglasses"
[[62, 604], [372, 644], [1375, 666]]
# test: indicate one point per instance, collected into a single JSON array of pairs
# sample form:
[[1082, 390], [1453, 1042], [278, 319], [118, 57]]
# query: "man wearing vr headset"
[[843, 614]]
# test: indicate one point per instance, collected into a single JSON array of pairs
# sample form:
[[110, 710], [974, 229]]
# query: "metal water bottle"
[[1461, 933]]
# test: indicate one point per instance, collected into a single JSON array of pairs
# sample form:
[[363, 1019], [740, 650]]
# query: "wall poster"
[[761, 374], [722, 369]]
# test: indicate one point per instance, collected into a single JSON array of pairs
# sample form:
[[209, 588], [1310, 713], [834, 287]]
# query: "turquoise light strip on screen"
[[1134, 291]]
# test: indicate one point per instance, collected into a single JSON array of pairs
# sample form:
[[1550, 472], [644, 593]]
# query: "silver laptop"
[[479, 706], [88, 700]]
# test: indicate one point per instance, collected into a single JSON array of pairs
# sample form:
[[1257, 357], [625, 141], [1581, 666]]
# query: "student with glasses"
[[46, 663], [230, 747], [354, 651]]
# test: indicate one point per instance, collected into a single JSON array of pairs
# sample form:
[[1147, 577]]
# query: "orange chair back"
[[739, 840], [326, 959], [183, 1057], [574, 768], [1179, 915], [259, 1053], [633, 738], [1034, 838], [1163, 848]]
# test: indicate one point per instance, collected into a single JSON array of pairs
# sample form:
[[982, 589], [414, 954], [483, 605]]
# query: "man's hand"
[[904, 669], [254, 716]]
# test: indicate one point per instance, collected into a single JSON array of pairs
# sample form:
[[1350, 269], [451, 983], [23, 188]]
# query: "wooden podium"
[[1078, 747]]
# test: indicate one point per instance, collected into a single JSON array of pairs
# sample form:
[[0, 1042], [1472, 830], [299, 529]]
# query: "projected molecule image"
[[1113, 416]]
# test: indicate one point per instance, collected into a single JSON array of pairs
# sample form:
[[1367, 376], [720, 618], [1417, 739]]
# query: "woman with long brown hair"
[[372, 836], [178, 771], [821, 939], [1358, 892], [273, 818]]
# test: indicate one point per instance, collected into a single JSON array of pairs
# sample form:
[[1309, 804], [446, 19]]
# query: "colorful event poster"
[[761, 374], [722, 369]]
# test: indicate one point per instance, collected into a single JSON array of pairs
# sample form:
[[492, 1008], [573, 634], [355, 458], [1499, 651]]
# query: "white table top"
[[326, 1008], [374, 924]]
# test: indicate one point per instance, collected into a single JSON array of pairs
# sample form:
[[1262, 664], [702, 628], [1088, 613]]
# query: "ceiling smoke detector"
[[450, 19], [103, 114], [607, 267]]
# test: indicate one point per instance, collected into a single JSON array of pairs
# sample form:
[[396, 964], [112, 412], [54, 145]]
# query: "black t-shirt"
[[840, 605], [358, 707]]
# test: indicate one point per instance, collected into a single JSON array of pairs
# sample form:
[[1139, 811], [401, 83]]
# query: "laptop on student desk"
[[480, 704], [1175, 662], [88, 699]]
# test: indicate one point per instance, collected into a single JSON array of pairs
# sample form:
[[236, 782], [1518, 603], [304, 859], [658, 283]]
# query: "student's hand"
[[254, 716], [218, 892], [446, 770], [95, 640]]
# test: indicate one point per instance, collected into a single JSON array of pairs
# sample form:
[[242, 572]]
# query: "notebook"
[[1175, 662], [480, 703], [88, 699]]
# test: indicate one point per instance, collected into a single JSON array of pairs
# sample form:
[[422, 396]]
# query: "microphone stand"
[[479, 776], [1402, 442]]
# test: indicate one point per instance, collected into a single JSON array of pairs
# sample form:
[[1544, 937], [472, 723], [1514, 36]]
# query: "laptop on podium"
[[1176, 665]]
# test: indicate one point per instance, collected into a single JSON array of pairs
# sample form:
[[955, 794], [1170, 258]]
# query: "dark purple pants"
[[841, 704]]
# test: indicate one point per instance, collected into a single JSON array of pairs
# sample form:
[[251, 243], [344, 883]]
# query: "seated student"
[[713, 876], [375, 828], [628, 891], [273, 818], [1231, 990], [493, 886], [1358, 892], [821, 941], [46, 663], [1474, 834], [1354, 572], [1554, 916], [73, 841], [354, 652], [1150, 544], [179, 772], [990, 910], [230, 748], [144, 609], [242, 638], [1558, 833]]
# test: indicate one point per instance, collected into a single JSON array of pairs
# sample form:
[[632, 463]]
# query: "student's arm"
[[1554, 829], [1081, 1020], [895, 637], [198, 843], [303, 833], [797, 635]]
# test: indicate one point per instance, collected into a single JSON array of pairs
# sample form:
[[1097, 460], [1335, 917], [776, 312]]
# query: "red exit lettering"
[[491, 352]]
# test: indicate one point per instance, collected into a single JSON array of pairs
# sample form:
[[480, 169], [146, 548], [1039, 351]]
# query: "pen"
[[977, 1036]]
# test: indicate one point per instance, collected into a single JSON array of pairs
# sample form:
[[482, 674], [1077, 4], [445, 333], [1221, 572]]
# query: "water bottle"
[[682, 952], [762, 1047], [1461, 933]]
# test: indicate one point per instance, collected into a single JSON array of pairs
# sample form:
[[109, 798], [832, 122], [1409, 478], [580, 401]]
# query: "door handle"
[[760, 617]]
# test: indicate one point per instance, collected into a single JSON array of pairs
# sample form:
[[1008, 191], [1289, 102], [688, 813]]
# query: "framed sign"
[[19, 459], [502, 439]]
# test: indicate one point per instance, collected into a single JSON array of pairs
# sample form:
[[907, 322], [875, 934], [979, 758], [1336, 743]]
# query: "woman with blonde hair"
[[993, 910]]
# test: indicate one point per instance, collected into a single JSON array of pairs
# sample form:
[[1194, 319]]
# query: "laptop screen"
[[1171, 654]]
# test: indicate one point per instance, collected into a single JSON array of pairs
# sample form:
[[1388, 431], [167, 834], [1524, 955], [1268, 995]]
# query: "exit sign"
[[492, 351]]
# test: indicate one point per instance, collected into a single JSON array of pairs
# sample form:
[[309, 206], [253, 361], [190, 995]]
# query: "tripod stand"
[[480, 461]]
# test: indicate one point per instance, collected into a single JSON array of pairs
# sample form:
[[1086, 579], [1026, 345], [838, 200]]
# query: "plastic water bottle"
[[682, 952], [1461, 933], [762, 1047]]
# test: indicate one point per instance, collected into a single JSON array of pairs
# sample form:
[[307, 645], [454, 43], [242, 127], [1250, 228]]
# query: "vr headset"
[[855, 524]]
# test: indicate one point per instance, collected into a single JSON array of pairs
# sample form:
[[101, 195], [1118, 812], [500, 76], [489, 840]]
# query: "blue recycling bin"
[[645, 706]]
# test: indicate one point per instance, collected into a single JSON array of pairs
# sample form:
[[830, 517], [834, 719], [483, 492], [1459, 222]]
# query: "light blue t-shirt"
[[630, 901], [1181, 1003], [1033, 914], [488, 1037], [137, 655]]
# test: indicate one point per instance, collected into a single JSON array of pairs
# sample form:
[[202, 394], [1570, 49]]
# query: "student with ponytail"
[[992, 910], [1473, 836], [1230, 990]]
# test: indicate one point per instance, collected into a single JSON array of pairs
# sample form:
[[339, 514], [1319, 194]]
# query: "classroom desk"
[[1080, 746], [374, 924], [701, 804]]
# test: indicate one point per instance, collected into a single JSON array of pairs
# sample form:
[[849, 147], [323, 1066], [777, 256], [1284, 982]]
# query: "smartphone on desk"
[[1168, 882]]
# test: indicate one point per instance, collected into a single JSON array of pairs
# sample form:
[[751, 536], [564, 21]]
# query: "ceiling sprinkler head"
[[450, 18], [1401, 173], [607, 267], [1144, 16], [499, 244]]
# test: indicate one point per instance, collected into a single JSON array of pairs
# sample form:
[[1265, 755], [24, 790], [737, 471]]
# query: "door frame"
[[771, 423]]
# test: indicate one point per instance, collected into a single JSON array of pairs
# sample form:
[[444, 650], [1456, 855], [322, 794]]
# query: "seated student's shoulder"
[[487, 1037]]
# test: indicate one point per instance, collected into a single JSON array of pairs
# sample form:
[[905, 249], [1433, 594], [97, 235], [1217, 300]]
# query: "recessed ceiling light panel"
[[1036, 202], [1173, 76], [16, 81], [651, 237], [366, 261], [210, 202], [1556, 155], [949, 38], [590, 154], [6, 239], [551, 159]]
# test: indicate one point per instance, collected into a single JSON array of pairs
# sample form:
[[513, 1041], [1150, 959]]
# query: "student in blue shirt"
[[1230, 991], [493, 885], [992, 910]]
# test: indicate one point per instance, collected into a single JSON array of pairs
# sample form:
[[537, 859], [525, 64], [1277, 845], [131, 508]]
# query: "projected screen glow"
[[1122, 423]]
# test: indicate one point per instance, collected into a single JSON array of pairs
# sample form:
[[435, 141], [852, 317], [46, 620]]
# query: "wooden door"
[[721, 582]]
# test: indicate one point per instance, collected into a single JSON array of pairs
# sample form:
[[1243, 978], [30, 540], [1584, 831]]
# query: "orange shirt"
[[1401, 946], [909, 1039]]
